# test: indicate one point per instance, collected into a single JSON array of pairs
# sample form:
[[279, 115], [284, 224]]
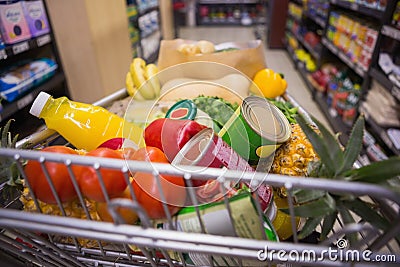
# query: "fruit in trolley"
[[128, 215], [88, 180], [146, 188], [320, 207], [58, 174], [141, 81], [270, 83]]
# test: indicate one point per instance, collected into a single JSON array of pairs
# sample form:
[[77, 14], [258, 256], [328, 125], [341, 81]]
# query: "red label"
[[179, 113]]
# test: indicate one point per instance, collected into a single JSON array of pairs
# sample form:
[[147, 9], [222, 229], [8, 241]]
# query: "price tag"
[[359, 70], [3, 54], [396, 92], [391, 32], [23, 102], [42, 40], [21, 47], [320, 21], [354, 6]]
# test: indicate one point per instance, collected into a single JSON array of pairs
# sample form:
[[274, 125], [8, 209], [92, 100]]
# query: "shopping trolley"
[[47, 240]]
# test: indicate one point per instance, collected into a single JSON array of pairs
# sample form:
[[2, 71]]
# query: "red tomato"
[[114, 180], [129, 216], [59, 176], [146, 189]]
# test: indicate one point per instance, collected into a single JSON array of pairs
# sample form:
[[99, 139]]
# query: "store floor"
[[276, 59]]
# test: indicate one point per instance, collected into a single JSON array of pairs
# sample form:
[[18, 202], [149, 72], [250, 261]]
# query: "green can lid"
[[182, 110]]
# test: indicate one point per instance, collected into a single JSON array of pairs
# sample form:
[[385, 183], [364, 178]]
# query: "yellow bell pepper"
[[270, 83]]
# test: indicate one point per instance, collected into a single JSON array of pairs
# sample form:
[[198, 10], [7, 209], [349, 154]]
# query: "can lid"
[[193, 151], [183, 109], [266, 119], [38, 103]]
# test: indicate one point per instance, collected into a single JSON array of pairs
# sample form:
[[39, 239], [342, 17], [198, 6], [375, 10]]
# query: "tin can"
[[207, 149], [186, 109], [256, 129]]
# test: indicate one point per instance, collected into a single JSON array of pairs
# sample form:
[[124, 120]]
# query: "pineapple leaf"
[[309, 227], [332, 144], [348, 219], [353, 146], [304, 195], [319, 146], [327, 224], [5, 134], [367, 213], [317, 208], [377, 172]]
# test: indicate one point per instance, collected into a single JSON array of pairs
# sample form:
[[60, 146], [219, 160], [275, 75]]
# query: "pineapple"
[[320, 207], [293, 157], [72, 209]]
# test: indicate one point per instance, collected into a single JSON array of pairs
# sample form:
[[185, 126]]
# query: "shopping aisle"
[[276, 59]]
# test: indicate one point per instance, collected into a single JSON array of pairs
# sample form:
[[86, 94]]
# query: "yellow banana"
[[138, 70], [151, 71], [131, 88]]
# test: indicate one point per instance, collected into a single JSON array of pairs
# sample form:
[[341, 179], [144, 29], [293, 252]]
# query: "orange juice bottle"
[[85, 126]]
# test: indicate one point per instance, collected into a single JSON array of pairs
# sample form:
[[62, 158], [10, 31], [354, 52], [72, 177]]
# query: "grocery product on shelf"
[[343, 95], [321, 77], [305, 57], [392, 70], [381, 106], [374, 4], [17, 80], [13, 26], [295, 10], [36, 17], [396, 16], [84, 125], [355, 37]]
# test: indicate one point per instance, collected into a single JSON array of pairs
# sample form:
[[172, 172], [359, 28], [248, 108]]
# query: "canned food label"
[[216, 220], [229, 158]]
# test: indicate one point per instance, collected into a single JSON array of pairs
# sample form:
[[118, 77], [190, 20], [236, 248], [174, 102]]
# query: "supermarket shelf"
[[207, 22], [18, 48], [335, 50], [9, 109], [317, 19], [334, 120], [391, 32], [144, 35], [301, 68], [143, 11], [385, 82], [381, 133], [297, 19], [299, 2], [315, 52], [360, 8], [228, 2], [304, 75]]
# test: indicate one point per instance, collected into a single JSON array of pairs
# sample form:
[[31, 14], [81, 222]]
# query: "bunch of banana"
[[141, 82], [200, 47]]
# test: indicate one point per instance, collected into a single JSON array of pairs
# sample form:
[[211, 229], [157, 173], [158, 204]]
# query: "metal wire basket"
[[48, 240]]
